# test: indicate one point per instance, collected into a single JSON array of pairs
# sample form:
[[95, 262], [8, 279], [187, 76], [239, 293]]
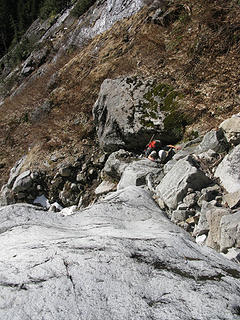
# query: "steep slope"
[[193, 46]]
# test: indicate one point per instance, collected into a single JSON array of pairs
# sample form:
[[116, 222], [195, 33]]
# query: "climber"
[[156, 151]]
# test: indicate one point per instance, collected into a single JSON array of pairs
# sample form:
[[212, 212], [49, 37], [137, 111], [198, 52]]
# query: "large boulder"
[[228, 171], [231, 129], [213, 140], [129, 111], [119, 259], [184, 175]]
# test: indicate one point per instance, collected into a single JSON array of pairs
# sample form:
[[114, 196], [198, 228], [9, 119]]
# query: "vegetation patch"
[[164, 99], [81, 7]]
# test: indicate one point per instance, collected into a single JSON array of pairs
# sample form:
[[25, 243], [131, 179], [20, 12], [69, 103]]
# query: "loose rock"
[[184, 175], [231, 129], [228, 171]]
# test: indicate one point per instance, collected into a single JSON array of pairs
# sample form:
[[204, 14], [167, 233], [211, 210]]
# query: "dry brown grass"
[[198, 55]]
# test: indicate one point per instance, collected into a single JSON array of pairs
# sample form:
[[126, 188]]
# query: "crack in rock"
[[73, 286]]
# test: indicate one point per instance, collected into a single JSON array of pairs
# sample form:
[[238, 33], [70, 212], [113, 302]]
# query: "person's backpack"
[[153, 145]]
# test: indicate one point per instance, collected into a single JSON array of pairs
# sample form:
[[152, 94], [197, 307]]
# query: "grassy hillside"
[[196, 51]]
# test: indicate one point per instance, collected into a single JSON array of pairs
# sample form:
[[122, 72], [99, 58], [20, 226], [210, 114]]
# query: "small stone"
[[57, 182], [65, 171], [182, 206], [81, 178], [192, 220], [201, 239], [55, 207], [190, 200], [91, 171], [178, 216], [84, 166], [184, 225], [34, 175], [74, 187], [39, 187], [102, 159]]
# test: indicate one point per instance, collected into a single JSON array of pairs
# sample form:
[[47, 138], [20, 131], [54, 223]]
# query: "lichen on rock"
[[164, 99]]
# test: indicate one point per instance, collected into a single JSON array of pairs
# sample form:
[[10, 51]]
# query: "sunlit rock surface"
[[119, 259]]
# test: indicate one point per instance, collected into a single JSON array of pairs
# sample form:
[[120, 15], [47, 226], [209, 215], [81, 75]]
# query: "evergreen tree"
[[17, 16], [3, 33]]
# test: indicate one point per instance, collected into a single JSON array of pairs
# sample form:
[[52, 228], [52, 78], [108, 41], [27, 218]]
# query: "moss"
[[164, 98]]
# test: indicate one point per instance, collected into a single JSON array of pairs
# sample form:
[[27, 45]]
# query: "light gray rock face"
[[231, 129], [120, 259], [185, 174], [135, 174], [66, 31], [230, 231], [229, 171], [102, 17]]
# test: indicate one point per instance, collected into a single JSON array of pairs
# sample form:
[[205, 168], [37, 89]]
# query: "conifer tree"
[[17, 16]]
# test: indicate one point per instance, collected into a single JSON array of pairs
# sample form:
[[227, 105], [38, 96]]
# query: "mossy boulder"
[[130, 110], [165, 100]]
